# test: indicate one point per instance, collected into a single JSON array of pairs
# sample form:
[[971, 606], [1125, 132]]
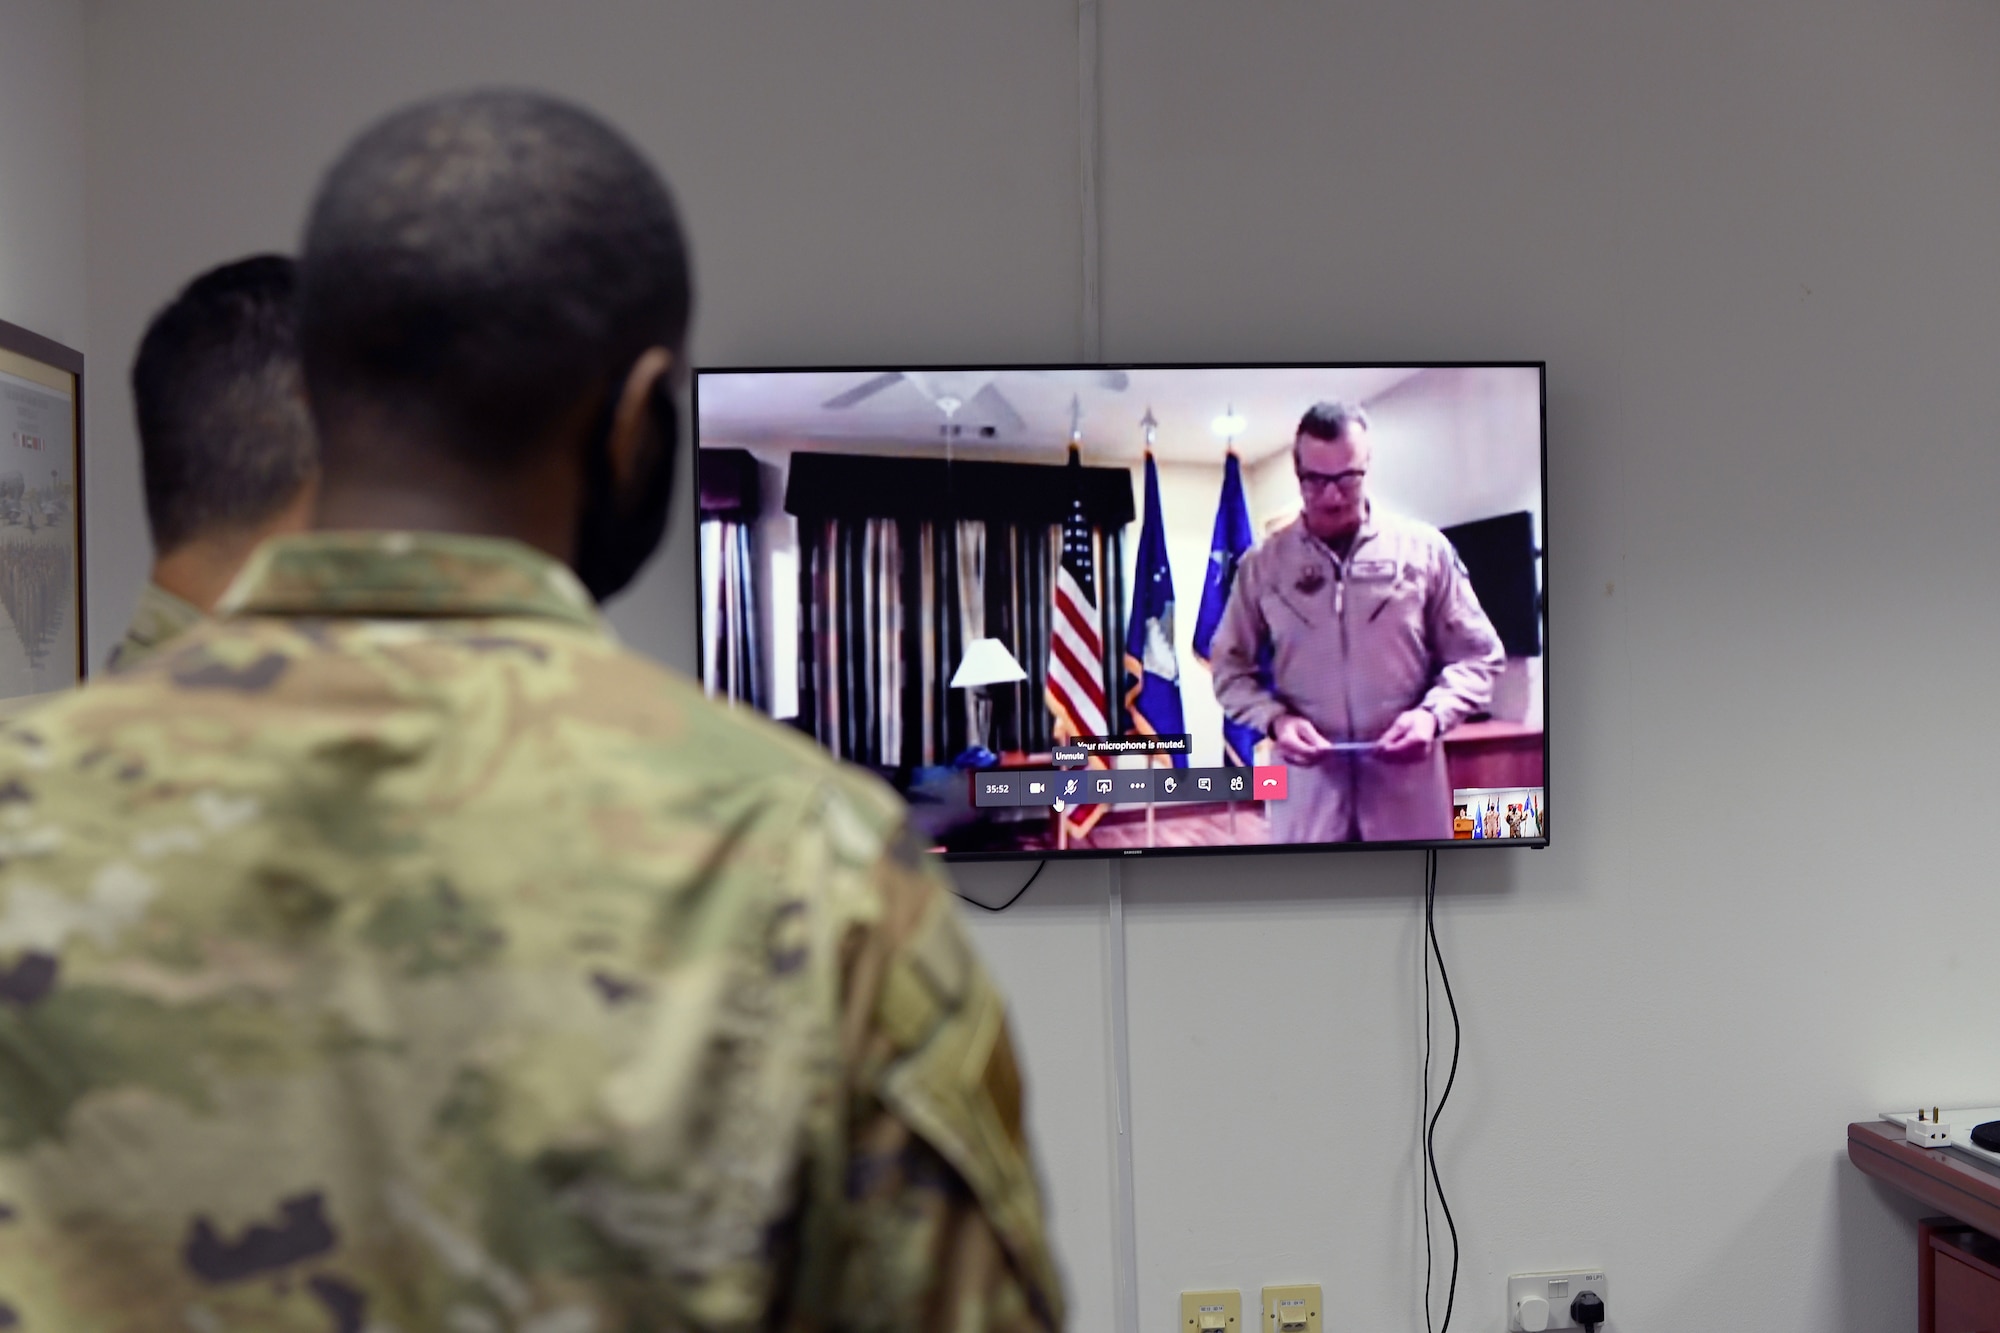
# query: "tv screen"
[[1120, 610]]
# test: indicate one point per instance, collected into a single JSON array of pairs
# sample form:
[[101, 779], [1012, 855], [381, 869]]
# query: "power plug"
[[1931, 1133], [1554, 1301]]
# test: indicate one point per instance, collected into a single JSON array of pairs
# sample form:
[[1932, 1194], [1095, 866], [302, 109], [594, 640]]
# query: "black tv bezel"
[[1541, 369]]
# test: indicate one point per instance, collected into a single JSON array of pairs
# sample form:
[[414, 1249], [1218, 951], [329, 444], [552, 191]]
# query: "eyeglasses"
[[1349, 480]]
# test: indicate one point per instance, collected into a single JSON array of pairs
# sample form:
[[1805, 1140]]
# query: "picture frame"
[[42, 644]]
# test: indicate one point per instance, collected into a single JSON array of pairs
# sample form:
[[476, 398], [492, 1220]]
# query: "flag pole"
[[1228, 448], [1075, 450], [1151, 426], [1152, 828]]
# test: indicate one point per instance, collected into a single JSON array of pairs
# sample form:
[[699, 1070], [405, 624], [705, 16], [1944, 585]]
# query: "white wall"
[[1755, 245], [41, 169], [836, 165]]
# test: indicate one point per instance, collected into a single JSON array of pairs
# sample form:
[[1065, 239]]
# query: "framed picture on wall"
[[41, 517]]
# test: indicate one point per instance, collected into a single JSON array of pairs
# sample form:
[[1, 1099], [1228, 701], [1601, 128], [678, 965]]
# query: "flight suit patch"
[[1372, 571]]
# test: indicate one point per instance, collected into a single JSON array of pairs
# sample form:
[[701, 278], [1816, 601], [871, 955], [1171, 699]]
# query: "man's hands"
[[1409, 737], [1299, 741]]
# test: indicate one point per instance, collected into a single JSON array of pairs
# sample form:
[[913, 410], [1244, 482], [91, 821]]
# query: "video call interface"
[[1102, 610]]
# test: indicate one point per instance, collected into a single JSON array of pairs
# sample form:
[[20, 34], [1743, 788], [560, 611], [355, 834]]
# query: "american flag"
[[1076, 639], [1076, 688]]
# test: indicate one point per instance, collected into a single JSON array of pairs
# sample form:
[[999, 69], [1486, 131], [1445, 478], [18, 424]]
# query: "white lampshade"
[[987, 662]]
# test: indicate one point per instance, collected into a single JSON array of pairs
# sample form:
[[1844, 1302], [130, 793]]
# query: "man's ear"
[[631, 422]]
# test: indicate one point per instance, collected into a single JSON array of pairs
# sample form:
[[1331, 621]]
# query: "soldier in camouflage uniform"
[[400, 953], [225, 442]]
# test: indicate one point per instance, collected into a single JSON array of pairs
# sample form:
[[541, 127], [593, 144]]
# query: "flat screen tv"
[[1143, 610]]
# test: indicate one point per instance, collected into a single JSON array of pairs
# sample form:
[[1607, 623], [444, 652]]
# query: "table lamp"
[[986, 663]]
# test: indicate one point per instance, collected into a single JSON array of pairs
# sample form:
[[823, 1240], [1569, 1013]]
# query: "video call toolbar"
[[1123, 786]]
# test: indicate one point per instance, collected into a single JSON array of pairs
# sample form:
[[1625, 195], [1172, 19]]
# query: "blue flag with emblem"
[[1225, 552], [1152, 671]]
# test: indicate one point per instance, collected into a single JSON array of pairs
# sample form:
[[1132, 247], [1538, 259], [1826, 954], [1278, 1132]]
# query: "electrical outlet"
[[1212, 1312], [1292, 1309], [1538, 1301]]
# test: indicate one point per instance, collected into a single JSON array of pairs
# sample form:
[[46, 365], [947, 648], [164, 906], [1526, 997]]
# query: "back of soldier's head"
[[225, 441], [477, 266]]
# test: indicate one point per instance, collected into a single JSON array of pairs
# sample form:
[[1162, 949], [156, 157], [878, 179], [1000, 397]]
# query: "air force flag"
[[1152, 672], [1225, 551]]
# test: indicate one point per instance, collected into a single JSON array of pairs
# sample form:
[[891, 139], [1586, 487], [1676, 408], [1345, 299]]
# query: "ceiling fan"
[[974, 391]]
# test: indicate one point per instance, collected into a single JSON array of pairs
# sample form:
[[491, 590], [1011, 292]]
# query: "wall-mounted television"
[[1138, 610]]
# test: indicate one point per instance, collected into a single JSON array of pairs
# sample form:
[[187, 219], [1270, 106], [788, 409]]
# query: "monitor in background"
[[1145, 609]]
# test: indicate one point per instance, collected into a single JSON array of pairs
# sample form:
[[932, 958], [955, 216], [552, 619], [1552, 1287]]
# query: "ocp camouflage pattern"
[[398, 953]]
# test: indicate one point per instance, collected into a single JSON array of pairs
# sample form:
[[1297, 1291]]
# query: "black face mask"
[[614, 539]]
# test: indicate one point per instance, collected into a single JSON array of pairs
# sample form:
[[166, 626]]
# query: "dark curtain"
[[1019, 574], [882, 626], [888, 610], [732, 660], [1111, 585], [902, 564], [731, 652]]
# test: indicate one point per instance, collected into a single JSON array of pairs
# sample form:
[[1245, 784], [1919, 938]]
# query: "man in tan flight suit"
[[225, 442], [396, 952], [1377, 648]]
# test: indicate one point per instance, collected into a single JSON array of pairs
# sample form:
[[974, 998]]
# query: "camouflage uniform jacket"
[[159, 618], [399, 953]]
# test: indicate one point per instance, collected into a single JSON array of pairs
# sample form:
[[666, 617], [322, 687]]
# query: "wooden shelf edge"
[[1935, 1177]]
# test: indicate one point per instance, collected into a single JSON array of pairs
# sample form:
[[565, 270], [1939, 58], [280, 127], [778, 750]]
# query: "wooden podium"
[[1493, 754]]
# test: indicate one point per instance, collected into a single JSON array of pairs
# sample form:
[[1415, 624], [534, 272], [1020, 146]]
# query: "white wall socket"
[[1538, 1301]]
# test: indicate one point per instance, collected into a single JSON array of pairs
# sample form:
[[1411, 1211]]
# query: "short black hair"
[[1332, 421], [225, 440], [478, 263]]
